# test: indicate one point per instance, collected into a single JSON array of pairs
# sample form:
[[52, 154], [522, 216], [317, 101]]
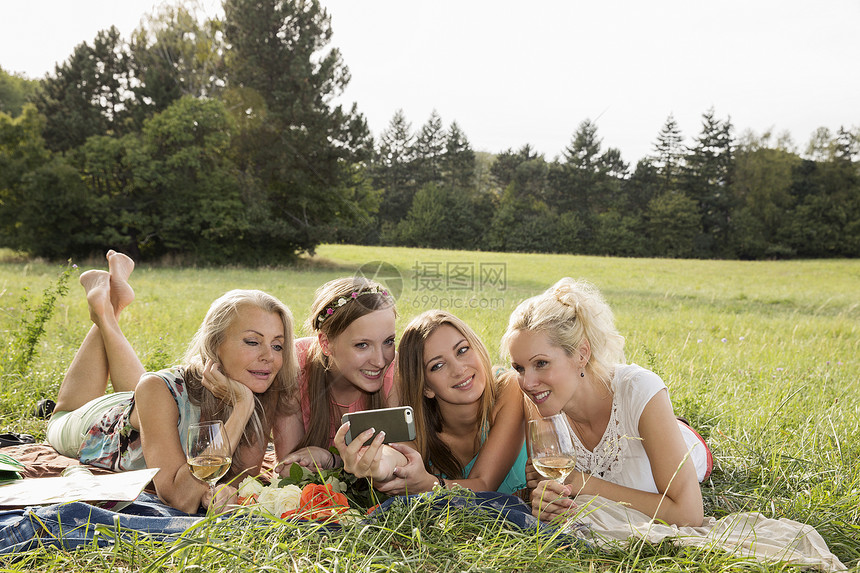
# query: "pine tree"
[[707, 179], [87, 93], [669, 154], [392, 169], [458, 162], [503, 169], [590, 180], [429, 149], [296, 148]]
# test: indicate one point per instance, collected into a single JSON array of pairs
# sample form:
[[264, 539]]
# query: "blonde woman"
[[239, 368], [631, 448]]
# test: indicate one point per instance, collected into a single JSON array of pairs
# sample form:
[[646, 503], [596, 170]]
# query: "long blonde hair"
[[411, 380], [337, 304], [570, 312], [278, 397]]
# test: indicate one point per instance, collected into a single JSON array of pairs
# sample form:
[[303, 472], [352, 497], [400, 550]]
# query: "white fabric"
[[620, 457], [751, 535]]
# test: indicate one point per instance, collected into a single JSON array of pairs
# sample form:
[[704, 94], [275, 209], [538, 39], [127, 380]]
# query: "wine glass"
[[551, 449], [208, 451]]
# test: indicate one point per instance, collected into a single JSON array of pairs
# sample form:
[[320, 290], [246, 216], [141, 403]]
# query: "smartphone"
[[397, 423]]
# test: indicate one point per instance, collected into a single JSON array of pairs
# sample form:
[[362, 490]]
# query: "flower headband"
[[344, 300]]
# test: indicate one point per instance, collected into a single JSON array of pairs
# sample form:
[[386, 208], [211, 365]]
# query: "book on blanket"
[[108, 490]]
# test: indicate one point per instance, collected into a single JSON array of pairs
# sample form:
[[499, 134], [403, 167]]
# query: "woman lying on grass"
[[347, 366], [239, 368], [468, 425], [630, 446]]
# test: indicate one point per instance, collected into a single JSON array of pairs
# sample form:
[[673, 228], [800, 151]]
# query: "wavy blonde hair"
[[570, 312], [278, 397]]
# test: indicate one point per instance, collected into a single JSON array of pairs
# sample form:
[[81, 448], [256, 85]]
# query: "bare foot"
[[97, 285], [121, 293]]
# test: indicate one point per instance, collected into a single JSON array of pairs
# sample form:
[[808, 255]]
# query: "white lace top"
[[619, 457]]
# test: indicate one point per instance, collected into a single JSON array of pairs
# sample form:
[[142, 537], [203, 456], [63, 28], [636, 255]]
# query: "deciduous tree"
[[673, 224], [15, 91], [175, 52]]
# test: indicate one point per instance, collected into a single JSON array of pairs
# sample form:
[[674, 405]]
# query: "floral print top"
[[112, 443]]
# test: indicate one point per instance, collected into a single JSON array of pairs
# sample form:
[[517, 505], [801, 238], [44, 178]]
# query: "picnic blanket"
[[42, 460], [601, 522], [749, 534], [69, 525]]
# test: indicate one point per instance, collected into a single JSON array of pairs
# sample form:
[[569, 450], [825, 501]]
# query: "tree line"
[[217, 140], [751, 197]]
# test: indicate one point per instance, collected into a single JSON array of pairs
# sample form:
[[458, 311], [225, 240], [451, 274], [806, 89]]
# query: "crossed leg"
[[105, 352]]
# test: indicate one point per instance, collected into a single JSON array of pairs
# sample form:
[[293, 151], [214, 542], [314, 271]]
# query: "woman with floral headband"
[[346, 366]]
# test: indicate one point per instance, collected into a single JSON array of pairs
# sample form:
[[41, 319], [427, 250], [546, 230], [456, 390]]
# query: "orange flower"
[[321, 502]]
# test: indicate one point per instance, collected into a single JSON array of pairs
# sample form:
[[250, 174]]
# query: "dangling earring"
[[582, 374]]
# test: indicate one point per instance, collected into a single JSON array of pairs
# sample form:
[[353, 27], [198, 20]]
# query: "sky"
[[511, 73]]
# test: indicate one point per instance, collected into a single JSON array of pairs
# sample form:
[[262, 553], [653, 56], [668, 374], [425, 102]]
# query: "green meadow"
[[761, 357]]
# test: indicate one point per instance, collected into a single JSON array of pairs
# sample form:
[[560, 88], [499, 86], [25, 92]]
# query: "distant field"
[[762, 356]]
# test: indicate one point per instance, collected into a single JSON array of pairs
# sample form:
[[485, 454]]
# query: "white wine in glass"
[[551, 449], [208, 451]]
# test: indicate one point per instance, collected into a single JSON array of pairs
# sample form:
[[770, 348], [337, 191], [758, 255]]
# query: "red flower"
[[320, 502]]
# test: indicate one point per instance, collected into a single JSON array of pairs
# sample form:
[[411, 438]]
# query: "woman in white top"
[[630, 446]]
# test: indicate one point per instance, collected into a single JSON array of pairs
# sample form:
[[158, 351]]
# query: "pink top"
[[302, 346]]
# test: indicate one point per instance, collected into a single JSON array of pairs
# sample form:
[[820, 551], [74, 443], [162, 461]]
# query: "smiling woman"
[[346, 367], [239, 369], [629, 446], [468, 422]]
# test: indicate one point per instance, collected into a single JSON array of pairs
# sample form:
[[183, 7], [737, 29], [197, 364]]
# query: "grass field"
[[762, 357]]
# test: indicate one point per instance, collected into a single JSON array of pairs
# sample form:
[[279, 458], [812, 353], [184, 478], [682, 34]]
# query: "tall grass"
[[762, 357]]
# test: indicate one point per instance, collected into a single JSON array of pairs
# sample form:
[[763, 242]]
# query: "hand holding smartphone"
[[397, 423]]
